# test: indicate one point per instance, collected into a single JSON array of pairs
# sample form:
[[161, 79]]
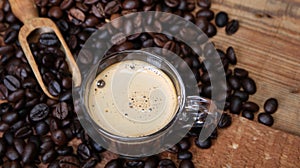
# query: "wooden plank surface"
[[267, 44]]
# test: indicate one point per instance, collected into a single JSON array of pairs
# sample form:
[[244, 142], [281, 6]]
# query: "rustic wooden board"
[[267, 44]]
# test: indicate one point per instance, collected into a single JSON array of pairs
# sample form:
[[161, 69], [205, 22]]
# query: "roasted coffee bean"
[[64, 150], [83, 151], [49, 156], [83, 7], [225, 121], [208, 14], [55, 12], [59, 137], [112, 7], [12, 154], [16, 96], [211, 30], [234, 83], [184, 144], [23, 132], [41, 128], [232, 27], [204, 3], [76, 16], [230, 54], [241, 94], [39, 112], [4, 108], [271, 105], [68, 161], [130, 4], [62, 25], [9, 137], [12, 164], [240, 73], [172, 3], [2, 147], [248, 114], [66, 4], [202, 23], [66, 96], [11, 83], [221, 19], [114, 163], [3, 92], [186, 164], [48, 39], [184, 155], [30, 151], [3, 126], [203, 144], [19, 145], [92, 162], [61, 111], [46, 146], [54, 88], [266, 119], [249, 85], [235, 105], [10, 36], [152, 162], [6, 49], [160, 39], [251, 106], [91, 21], [54, 124], [10, 17], [173, 149], [166, 163], [10, 117], [134, 164], [96, 147]]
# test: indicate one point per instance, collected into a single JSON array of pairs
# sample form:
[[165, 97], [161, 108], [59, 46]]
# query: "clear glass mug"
[[114, 113]]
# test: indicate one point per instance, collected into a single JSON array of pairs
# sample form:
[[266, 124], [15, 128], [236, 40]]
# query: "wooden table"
[[267, 44]]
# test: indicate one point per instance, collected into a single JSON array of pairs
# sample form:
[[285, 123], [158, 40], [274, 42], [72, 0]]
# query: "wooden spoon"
[[26, 11]]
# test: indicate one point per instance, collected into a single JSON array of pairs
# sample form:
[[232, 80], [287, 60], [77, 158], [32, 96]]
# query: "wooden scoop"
[[26, 11]]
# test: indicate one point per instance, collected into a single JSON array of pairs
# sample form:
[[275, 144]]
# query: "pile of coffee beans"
[[38, 130]]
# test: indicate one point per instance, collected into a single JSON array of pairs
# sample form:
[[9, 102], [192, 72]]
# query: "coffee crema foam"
[[132, 98]]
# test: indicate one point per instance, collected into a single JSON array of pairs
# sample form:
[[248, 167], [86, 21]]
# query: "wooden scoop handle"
[[24, 10]]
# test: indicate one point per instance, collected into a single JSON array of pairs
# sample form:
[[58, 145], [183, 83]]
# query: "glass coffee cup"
[[138, 103]]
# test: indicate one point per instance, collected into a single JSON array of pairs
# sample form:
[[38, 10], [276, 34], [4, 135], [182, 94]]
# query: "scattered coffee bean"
[[249, 85], [235, 105], [59, 137], [54, 88], [30, 152], [166, 163], [271, 105], [232, 27], [203, 144], [39, 112], [186, 164], [251, 106], [115, 163], [11, 82], [266, 119], [248, 114], [204, 3], [184, 155], [221, 19], [225, 121], [230, 54]]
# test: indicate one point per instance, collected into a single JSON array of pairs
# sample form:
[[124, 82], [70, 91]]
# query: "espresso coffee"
[[132, 98]]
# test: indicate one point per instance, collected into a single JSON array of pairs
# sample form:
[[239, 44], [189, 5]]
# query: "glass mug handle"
[[204, 112]]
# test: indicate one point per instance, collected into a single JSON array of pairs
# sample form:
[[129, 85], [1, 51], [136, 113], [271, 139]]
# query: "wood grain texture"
[[243, 144], [267, 44]]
